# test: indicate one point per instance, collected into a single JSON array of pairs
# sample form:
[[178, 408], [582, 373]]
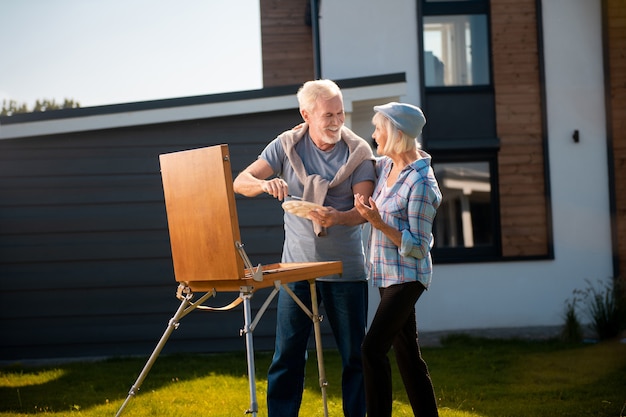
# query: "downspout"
[[606, 51], [315, 24], [544, 129]]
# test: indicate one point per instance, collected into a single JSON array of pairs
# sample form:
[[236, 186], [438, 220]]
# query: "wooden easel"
[[209, 257]]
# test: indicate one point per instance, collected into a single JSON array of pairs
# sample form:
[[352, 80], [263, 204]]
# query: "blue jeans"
[[345, 305]]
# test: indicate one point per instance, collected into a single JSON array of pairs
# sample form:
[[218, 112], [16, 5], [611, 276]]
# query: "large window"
[[465, 220], [456, 50], [461, 131]]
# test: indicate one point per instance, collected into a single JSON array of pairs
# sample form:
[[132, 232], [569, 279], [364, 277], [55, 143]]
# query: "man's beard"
[[331, 140]]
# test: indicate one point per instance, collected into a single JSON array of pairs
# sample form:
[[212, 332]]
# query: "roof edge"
[[191, 100], [188, 108]]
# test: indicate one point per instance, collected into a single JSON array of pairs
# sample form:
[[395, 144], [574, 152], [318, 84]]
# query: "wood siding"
[[616, 60], [85, 265], [515, 54], [286, 42]]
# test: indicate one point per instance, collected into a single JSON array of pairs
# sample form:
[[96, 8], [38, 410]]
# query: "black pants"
[[394, 324]]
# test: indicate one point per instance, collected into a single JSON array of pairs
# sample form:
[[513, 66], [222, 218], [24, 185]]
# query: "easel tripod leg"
[[318, 345], [247, 330], [315, 316], [171, 326]]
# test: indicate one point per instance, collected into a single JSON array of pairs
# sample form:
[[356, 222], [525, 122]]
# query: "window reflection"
[[456, 50], [464, 217]]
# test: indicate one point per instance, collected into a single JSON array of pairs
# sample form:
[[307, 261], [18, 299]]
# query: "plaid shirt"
[[410, 206]]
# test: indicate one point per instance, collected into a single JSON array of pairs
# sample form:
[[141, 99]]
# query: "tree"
[[12, 107]]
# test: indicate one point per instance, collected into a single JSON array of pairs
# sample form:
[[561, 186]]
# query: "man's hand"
[[326, 216], [276, 187]]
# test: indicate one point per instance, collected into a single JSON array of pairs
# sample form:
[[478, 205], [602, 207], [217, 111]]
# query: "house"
[[525, 105]]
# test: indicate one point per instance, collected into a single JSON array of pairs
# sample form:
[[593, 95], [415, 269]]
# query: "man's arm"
[[352, 217], [252, 181], [330, 217]]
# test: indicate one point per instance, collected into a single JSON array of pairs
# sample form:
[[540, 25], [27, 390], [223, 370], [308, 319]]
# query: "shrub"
[[572, 331], [606, 308]]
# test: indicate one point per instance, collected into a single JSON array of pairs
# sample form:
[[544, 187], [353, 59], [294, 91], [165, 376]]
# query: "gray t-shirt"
[[341, 243]]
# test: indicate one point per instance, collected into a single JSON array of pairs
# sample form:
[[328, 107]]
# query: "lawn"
[[473, 377]]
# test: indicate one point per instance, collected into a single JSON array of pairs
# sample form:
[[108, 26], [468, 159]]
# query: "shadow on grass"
[[59, 388], [83, 386], [473, 377]]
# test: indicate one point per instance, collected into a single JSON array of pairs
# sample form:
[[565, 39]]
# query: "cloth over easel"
[[316, 187]]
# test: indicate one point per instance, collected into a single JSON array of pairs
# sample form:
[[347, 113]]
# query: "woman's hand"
[[369, 213], [372, 215]]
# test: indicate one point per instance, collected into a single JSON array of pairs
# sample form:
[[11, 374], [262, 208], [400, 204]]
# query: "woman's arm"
[[372, 215], [417, 241]]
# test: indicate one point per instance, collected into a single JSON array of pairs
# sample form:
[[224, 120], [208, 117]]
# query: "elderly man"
[[323, 162]]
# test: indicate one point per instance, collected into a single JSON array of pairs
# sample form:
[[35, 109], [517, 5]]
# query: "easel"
[[209, 257]]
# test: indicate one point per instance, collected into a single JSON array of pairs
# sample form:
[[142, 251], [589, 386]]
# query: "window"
[[464, 217], [456, 50], [458, 100]]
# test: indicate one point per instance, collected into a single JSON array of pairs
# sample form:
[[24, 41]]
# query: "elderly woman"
[[401, 212]]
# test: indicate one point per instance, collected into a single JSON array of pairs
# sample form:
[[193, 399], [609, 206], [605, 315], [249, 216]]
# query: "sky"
[[100, 52]]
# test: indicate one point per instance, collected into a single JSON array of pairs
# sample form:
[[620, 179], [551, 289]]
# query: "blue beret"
[[406, 117]]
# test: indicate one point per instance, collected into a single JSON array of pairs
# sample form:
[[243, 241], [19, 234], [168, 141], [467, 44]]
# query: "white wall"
[[360, 39]]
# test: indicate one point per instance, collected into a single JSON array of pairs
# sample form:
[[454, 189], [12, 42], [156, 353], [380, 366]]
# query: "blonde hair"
[[312, 90], [397, 141]]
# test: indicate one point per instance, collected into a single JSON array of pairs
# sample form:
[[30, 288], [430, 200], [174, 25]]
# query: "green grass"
[[472, 378]]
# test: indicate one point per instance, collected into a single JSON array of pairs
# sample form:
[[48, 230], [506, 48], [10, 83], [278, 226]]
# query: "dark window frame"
[[458, 147], [492, 252]]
